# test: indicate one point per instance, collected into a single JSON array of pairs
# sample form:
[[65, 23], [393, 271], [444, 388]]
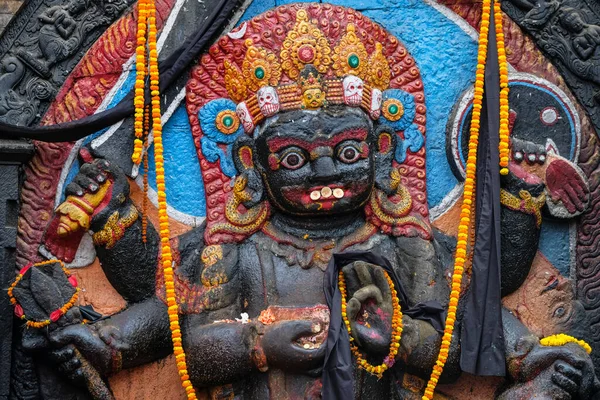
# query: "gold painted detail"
[[211, 255], [304, 44], [115, 228], [379, 69], [350, 55], [525, 203], [260, 67], [239, 222]]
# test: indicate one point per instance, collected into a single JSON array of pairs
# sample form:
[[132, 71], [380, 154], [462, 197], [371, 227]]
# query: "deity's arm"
[[219, 352], [98, 200], [584, 47], [520, 225], [129, 263], [422, 264]]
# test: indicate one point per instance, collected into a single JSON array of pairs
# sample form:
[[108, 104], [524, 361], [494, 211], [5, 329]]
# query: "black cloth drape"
[[170, 68], [482, 337], [338, 369]]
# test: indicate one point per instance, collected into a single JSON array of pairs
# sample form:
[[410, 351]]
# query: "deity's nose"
[[324, 170]]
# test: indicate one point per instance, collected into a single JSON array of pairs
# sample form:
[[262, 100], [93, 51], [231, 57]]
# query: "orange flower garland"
[[396, 330], [140, 76], [164, 231], [56, 314], [504, 108], [467, 202]]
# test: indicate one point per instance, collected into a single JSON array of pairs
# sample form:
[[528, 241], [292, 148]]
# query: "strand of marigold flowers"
[[140, 77], [145, 176], [561, 339], [164, 231], [397, 327], [467, 202], [504, 107]]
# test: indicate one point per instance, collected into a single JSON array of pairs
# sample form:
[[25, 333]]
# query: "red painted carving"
[[80, 96]]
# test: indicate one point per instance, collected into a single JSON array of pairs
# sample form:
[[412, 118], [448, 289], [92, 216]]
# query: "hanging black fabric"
[[170, 69], [482, 337], [338, 368]]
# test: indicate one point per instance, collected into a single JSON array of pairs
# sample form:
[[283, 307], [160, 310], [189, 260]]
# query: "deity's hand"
[[283, 348], [369, 307], [562, 372], [565, 183], [98, 190], [99, 346]]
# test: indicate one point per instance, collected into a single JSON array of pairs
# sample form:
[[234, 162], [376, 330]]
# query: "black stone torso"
[[269, 280]]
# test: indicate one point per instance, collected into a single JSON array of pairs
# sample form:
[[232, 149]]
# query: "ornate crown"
[[305, 57], [307, 74]]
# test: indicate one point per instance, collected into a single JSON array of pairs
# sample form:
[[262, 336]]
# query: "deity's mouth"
[[323, 197]]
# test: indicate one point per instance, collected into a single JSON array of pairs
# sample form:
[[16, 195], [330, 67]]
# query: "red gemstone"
[[25, 268], [379, 73], [55, 316], [19, 311], [306, 53], [73, 280]]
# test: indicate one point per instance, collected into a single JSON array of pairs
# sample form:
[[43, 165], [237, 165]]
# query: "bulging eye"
[[293, 159], [348, 154]]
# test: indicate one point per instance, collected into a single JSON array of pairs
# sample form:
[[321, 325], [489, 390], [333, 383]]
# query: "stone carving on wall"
[[290, 180], [39, 52], [297, 165], [569, 33]]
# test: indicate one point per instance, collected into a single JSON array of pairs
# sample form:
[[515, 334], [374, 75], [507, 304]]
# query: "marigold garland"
[[54, 315], [145, 177], [561, 339], [148, 15], [140, 77], [504, 107], [397, 327], [467, 202]]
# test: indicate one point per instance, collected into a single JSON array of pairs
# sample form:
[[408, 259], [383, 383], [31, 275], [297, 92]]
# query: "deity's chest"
[[270, 280]]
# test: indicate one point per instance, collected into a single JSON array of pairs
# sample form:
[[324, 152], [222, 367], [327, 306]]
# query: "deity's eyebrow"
[[278, 143]]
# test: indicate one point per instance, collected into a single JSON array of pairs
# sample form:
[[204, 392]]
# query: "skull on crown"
[[268, 101], [244, 114], [376, 99], [353, 90]]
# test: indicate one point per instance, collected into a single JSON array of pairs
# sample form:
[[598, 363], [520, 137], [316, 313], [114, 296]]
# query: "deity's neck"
[[321, 227]]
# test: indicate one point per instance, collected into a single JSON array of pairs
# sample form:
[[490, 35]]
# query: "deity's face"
[[574, 22], [319, 162], [313, 99]]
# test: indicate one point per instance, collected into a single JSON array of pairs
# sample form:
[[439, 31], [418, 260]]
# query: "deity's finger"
[[73, 189], [363, 271], [568, 371], [383, 285], [565, 383], [70, 366], [93, 172], [352, 282], [63, 354], [87, 183], [573, 196], [102, 164], [369, 292], [353, 308]]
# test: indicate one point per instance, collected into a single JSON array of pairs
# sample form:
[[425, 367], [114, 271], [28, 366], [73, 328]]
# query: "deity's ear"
[[385, 147], [243, 158]]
